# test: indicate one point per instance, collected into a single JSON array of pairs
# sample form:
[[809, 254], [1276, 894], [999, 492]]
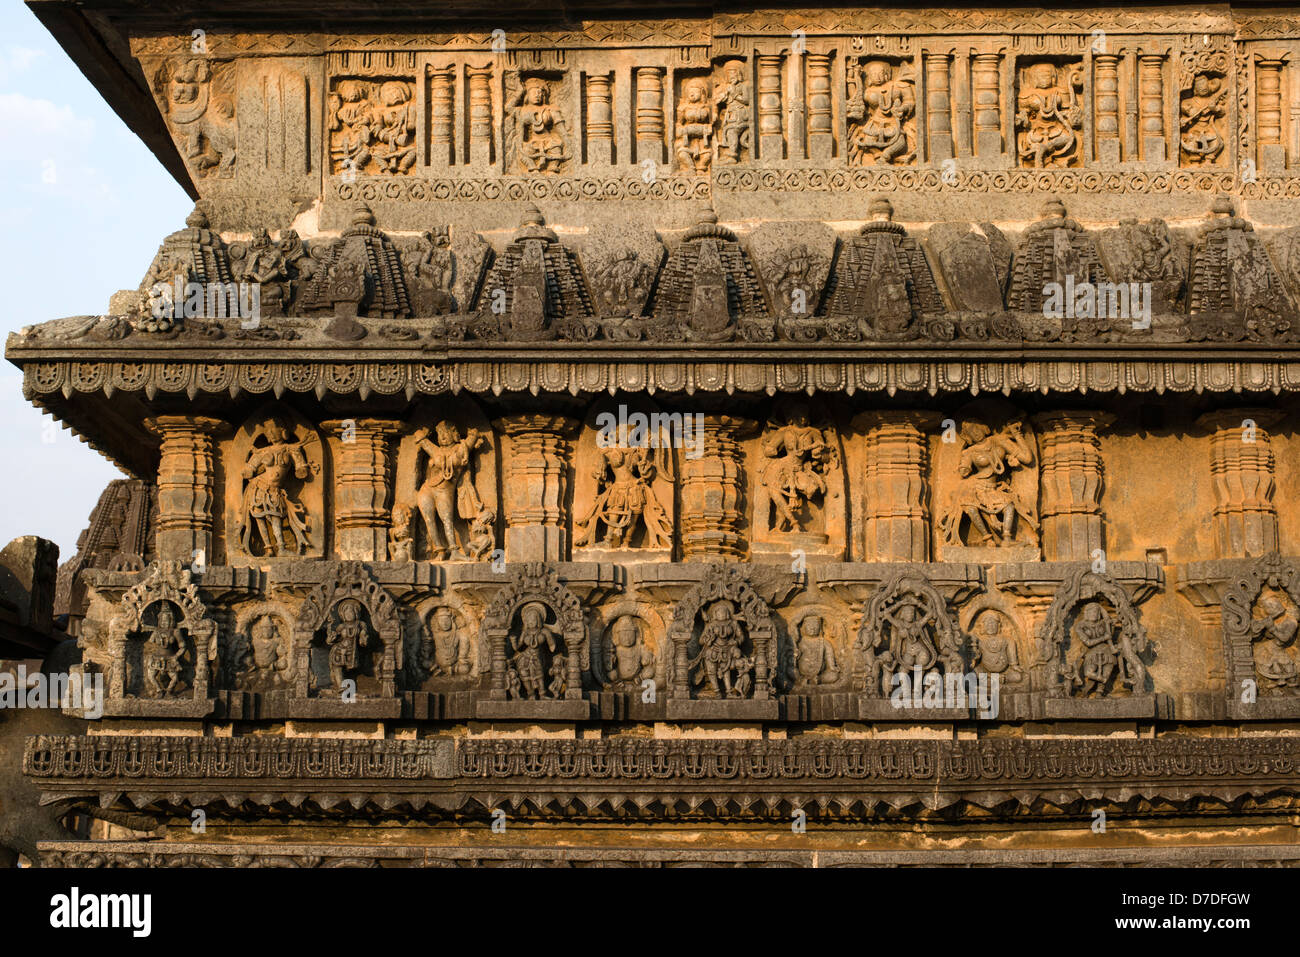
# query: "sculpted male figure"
[[346, 636], [267, 506], [447, 492], [1275, 632], [1096, 632], [630, 659], [998, 654], [164, 657], [534, 634]]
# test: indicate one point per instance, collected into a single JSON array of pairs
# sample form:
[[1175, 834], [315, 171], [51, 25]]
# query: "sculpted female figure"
[[987, 504], [447, 492], [266, 505]]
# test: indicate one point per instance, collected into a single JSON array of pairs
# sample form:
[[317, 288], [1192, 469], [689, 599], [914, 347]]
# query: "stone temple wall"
[[646, 431]]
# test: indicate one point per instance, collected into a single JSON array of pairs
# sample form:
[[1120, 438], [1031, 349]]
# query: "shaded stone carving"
[[621, 263], [1053, 250], [626, 511], [1091, 643], [733, 103], [162, 646], [818, 650], [693, 141], [273, 521], [995, 643], [1049, 115], [372, 126], [118, 535], [537, 138], [445, 654], [259, 653], [794, 260], [1231, 273], [633, 651], [537, 638], [194, 254], [881, 111], [1145, 252], [975, 261], [723, 639], [197, 96], [986, 487], [358, 274], [881, 286], [799, 483], [906, 631], [535, 290], [1260, 610], [1203, 103], [263, 262], [708, 290], [446, 489], [347, 645], [430, 270]]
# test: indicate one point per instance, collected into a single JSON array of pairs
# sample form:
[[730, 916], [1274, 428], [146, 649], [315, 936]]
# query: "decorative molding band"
[[157, 854]]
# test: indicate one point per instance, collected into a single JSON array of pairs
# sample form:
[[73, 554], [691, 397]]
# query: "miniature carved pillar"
[[480, 115], [712, 514], [1268, 113], [363, 483], [895, 495], [771, 141], [961, 103], [797, 123], [1241, 465], [442, 141], [1151, 96], [650, 114], [185, 487], [535, 484], [938, 106], [985, 80], [1071, 483], [600, 120], [1106, 66], [821, 136]]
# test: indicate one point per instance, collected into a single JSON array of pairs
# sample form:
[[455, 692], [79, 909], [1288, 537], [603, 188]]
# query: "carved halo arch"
[[653, 624], [165, 581], [1081, 586], [871, 633], [536, 582], [724, 583], [1272, 571], [355, 581], [244, 619]]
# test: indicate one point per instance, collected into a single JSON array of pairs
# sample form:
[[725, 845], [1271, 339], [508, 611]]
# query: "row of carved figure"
[[788, 281], [731, 635], [862, 111]]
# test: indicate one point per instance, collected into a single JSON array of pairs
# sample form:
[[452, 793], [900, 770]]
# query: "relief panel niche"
[[540, 130], [258, 654], [631, 653], [445, 654], [197, 98], [371, 123], [446, 488], [276, 481], [1049, 114], [880, 107]]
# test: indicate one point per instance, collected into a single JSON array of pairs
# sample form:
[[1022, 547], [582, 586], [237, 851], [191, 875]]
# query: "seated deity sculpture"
[[164, 656]]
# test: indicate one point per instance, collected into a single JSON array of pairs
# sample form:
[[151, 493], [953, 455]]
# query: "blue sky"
[[84, 208]]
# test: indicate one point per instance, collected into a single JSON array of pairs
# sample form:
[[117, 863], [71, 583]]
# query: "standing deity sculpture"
[[695, 121], [347, 636], [444, 652], [625, 499], [1099, 663], [995, 501], [629, 659], [539, 128], [396, 121], [881, 112], [793, 483], [447, 493], [1050, 116], [731, 101], [267, 506], [815, 662], [534, 654], [721, 667]]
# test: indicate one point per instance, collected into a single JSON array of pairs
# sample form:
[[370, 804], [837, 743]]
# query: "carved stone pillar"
[[1106, 67], [961, 103], [798, 119], [363, 484], [1071, 483], [821, 136], [1241, 465], [986, 83], [1268, 112], [535, 485], [480, 115], [938, 106], [650, 114], [185, 486], [1151, 97], [771, 141], [713, 483], [442, 119], [600, 120], [895, 495]]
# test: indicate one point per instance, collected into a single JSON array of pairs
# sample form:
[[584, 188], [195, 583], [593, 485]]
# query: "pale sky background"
[[83, 209]]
